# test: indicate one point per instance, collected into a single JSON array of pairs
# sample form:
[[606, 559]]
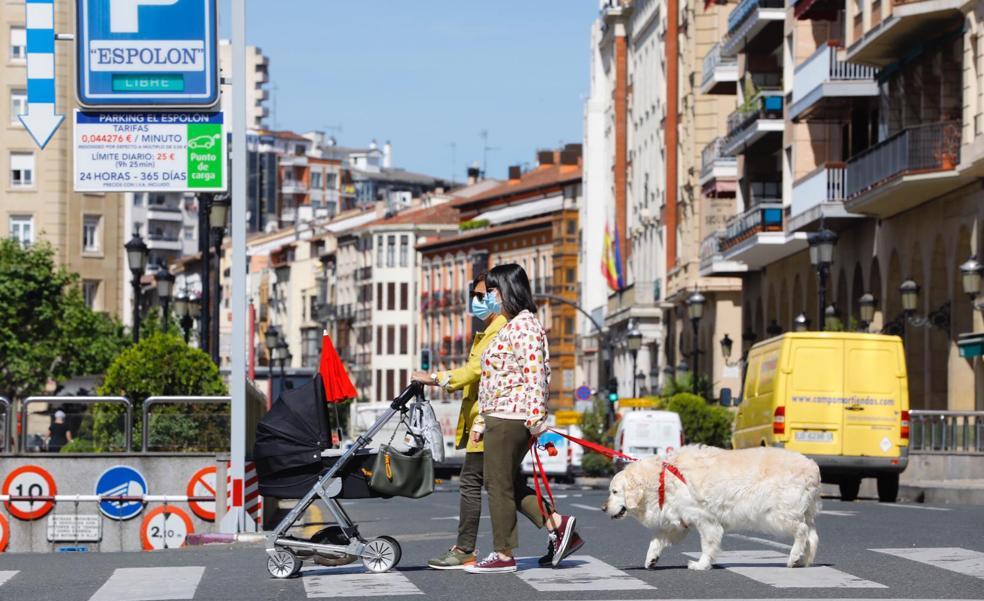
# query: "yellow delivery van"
[[840, 398]]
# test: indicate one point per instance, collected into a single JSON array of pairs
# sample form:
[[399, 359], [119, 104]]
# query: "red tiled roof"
[[287, 135], [544, 176], [442, 213], [488, 232]]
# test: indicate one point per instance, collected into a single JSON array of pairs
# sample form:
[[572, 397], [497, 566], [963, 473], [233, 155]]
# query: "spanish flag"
[[609, 265]]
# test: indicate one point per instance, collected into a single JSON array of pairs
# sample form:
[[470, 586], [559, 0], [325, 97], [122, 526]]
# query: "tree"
[[163, 365], [46, 330], [702, 422]]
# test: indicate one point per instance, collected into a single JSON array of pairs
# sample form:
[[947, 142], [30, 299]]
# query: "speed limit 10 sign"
[[29, 481]]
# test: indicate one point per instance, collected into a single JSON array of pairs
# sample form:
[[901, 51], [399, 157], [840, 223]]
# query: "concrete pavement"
[[867, 550]]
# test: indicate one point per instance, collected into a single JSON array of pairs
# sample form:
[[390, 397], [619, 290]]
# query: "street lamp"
[[218, 212], [866, 306], [640, 381], [136, 256], [821, 256], [970, 273], [633, 340], [165, 287], [801, 323], [695, 310], [182, 309], [272, 339], [727, 345], [910, 296], [774, 329]]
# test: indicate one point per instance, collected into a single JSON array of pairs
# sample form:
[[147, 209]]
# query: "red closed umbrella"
[[338, 386]]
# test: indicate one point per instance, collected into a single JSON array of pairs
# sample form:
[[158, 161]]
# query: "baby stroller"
[[294, 460]]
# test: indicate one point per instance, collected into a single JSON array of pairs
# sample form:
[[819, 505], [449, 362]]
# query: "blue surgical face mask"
[[492, 302], [479, 308]]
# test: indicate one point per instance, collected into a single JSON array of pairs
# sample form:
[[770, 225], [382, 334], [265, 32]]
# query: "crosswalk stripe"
[[354, 581], [151, 584], [6, 575], [773, 571], [954, 559], [577, 573]]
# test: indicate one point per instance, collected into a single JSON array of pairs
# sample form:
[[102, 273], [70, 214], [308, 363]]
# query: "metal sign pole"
[[237, 520]]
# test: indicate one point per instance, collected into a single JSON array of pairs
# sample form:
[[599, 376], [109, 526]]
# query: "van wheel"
[[849, 487], [888, 488]]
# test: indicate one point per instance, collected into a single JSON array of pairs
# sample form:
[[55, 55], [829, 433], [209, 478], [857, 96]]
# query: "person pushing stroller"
[[469, 436]]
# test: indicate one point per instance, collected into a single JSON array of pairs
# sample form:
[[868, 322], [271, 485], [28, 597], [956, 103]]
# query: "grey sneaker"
[[453, 559]]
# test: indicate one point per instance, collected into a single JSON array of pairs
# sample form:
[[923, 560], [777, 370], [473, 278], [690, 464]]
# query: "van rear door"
[[814, 386], [873, 398]]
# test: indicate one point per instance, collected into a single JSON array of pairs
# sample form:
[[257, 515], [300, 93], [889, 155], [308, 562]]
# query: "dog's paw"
[[651, 562], [699, 565], [798, 563]]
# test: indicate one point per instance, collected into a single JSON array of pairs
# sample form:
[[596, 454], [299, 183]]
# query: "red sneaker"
[[493, 564], [576, 543], [565, 534]]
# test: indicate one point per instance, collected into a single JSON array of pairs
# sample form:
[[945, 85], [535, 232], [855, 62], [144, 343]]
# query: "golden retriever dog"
[[712, 490]]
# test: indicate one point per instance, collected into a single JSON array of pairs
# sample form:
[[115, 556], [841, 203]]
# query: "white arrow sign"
[[41, 121]]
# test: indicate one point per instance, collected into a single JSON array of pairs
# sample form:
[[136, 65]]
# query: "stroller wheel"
[[283, 564], [381, 554]]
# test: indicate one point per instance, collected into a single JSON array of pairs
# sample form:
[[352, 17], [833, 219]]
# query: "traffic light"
[[612, 390], [425, 359]]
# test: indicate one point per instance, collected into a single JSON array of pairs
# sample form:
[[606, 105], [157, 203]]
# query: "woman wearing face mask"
[[512, 398]]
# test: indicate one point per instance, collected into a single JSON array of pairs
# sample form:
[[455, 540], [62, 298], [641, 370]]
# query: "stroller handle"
[[414, 390]]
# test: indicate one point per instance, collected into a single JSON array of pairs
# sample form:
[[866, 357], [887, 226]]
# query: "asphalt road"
[[867, 550]]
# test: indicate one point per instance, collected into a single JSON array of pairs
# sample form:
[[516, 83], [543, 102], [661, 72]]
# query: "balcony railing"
[[825, 184], [746, 8], [920, 149], [766, 217], [714, 60], [946, 431], [363, 273], [824, 66], [711, 246], [711, 156], [766, 105]]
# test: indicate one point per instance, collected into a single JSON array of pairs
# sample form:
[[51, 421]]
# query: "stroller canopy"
[[295, 431]]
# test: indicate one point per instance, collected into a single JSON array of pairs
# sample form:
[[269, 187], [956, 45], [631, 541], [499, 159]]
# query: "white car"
[[566, 463], [646, 433]]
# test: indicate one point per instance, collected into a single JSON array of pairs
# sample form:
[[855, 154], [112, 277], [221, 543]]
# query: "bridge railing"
[[946, 431], [185, 423]]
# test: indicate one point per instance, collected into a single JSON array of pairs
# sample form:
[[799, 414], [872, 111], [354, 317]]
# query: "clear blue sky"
[[426, 73]]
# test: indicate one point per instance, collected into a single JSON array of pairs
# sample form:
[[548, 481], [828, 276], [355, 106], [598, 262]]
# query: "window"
[[390, 251], [18, 105], [403, 379], [390, 340], [22, 169], [138, 199], [310, 347], [22, 229], [379, 251], [390, 390], [404, 340], [189, 232], [404, 251], [331, 181], [379, 381], [391, 296], [379, 340], [18, 44], [90, 233], [313, 303], [316, 179], [90, 293], [379, 296], [404, 296]]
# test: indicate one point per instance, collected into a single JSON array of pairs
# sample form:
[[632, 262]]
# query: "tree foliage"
[[46, 330], [702, 422]]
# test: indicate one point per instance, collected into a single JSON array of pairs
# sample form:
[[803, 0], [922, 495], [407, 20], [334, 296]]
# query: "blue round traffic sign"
[[583, 393], [121, 481]]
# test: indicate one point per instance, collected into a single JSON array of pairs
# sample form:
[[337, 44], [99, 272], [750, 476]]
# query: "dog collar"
[[662, 481]]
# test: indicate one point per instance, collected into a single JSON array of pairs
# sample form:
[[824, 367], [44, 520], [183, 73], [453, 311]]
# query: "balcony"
[[756, 238], [817, 196], [288, 214], [293, 160], [817, 10], [910, 22], [169, 242], [760, 118], [718, 172], [906, 169], [720, 75], [749, 20], [712, 261], [293, 186], [363, 274], [164, 213], [825, 86]]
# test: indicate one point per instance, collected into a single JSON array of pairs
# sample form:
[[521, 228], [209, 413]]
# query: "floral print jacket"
[[516, 372]]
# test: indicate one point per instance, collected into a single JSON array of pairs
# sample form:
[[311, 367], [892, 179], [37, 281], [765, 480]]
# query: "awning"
[[525, 210]]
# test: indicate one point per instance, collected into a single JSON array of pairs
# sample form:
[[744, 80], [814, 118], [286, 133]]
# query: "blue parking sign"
[[139, 53], [121, 481]]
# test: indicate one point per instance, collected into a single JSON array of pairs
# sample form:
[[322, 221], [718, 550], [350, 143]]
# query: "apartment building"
[[647, 122], [257, 76], [530, 219], [37, 202], [881, 143]]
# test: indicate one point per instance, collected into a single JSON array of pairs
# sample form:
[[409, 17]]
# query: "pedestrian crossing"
[[580, 573]]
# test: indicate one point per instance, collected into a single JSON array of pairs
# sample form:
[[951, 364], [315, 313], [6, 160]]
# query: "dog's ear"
[[633, 490]]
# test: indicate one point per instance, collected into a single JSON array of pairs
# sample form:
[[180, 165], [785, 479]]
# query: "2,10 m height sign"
[[147, 53]]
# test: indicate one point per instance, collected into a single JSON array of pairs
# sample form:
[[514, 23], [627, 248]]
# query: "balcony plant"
[[946, 149]]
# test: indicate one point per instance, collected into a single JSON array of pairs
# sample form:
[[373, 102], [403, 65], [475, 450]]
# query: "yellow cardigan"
[[466, 379]]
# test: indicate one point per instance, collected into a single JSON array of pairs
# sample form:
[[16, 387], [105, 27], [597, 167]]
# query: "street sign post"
[[160, 53], [41, 121], [149, 152]]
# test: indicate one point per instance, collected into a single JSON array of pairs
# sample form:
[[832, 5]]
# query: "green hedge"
[[703, 422]]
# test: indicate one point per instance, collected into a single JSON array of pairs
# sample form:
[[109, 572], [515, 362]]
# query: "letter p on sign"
[[123, 13]]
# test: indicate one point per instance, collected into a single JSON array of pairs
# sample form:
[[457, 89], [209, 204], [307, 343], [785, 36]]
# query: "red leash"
[[597, 448], [538, 474]]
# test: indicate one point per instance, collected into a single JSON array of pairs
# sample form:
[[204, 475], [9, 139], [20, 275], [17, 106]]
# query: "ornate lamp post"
[[695, 311], [633, 340], [801, 323], [165, 287], [866, 307], [136, 256], [822, 245], [970, 278], [218, 212]]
